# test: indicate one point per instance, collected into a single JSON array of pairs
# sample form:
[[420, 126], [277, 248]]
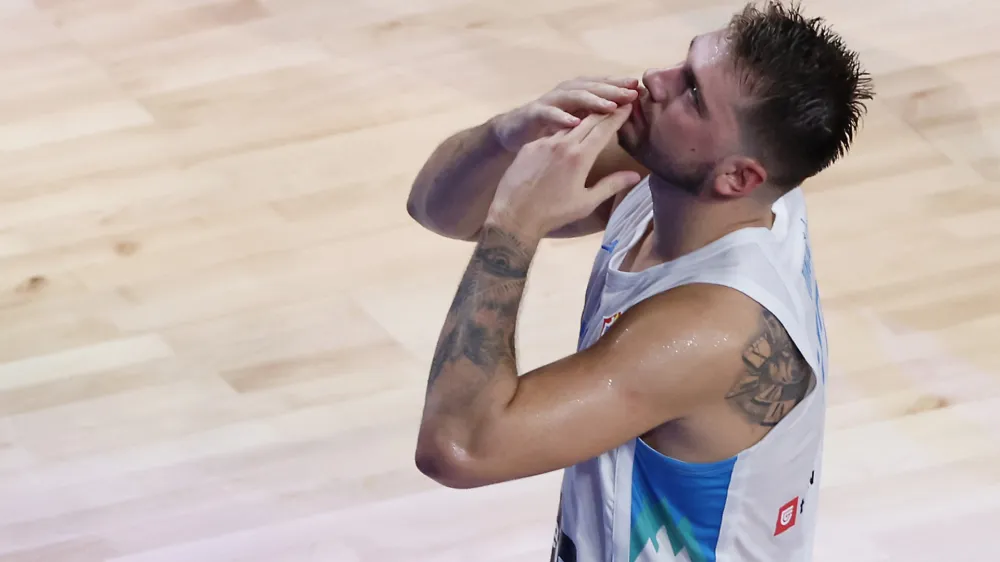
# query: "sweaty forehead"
[[709, 49], [709, 56]]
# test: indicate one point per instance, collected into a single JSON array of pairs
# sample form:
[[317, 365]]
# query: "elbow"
[[444, 470], [436, 214], [446, 462], [413, 207], [418, 210]]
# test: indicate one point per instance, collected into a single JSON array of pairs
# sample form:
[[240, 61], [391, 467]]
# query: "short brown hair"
[[805, 90]]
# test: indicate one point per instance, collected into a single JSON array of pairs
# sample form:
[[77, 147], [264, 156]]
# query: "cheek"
[[678, 134]]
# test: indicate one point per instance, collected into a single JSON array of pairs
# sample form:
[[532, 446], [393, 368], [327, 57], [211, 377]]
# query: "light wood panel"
[[217, 316]]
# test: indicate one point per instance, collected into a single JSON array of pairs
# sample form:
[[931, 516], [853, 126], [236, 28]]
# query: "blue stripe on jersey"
[[685, 500], [810, 279]]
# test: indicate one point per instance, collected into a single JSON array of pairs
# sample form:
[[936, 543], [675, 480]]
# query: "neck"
[[683, 222]]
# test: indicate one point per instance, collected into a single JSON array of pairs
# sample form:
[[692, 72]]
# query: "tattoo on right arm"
[[477, 339], [776, 377]]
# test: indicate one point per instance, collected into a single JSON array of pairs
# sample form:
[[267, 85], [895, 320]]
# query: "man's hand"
[[452, 193], [562, 108], [545, 187]]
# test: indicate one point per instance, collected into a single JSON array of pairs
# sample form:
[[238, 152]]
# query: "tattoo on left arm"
[[477, 340], [776, 376]]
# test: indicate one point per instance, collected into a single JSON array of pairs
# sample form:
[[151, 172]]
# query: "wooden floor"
[[217, 318]]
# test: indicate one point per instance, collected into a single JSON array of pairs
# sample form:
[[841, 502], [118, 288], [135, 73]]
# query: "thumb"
[[612, 185]]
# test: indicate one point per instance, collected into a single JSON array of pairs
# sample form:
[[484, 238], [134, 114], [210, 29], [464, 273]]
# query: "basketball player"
[[690, 421]]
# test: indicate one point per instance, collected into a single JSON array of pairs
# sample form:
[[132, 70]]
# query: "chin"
[[629, 141], [691, 182], [625, 138]]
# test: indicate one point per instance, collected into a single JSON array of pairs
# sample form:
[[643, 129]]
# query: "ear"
[[739, 176]]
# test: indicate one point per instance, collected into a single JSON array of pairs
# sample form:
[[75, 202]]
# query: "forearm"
[[453, 191], [473, 375]]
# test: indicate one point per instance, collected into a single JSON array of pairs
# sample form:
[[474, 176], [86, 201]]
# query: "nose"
[[657, 81]]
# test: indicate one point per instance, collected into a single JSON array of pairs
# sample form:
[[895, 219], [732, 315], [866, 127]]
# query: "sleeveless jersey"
[[633, 504]]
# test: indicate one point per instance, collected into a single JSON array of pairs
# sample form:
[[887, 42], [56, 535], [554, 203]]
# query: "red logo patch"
[[786, 517], [608, 321]]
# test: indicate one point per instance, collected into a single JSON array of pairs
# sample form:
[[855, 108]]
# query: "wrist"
[[526, 233], [496, 131]]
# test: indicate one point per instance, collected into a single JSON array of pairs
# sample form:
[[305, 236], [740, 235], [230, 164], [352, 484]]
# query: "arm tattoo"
[[477, 340], [777, 376]]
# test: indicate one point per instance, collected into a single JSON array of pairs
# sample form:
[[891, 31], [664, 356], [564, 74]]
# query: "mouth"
[[637, 118]]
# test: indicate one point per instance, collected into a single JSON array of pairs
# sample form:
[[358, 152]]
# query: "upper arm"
[[664, 359]]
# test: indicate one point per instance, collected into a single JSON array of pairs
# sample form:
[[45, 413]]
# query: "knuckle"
[[539, 144], [560, 149], [534, 106], [568, 152], [539, 112]]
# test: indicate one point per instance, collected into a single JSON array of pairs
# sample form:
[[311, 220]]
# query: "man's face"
[[684, 119]]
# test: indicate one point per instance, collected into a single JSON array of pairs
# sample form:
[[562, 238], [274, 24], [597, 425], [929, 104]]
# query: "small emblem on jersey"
[[609, 247], [786, 517], [608, 321]]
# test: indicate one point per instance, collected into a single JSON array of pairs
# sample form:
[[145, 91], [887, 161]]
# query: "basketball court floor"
[[217, 318]]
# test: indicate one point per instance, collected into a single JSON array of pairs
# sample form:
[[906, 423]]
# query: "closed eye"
[[691, 83]]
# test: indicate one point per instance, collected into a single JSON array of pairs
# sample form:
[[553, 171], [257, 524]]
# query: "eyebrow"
[[693, 77]]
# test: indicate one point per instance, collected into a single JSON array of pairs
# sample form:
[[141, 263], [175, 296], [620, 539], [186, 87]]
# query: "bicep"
[[644, 372], [562, 414]]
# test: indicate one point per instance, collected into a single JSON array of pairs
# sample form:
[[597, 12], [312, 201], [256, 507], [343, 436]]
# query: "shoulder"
[[682, 344], [695, 307], [710, 342]]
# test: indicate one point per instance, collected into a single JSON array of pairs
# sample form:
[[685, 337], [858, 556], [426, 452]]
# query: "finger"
[[582, 100], [556, 116], [556, 135], [620, 81], [599, 134], [600, 125], [611, 92], [587, 124], [624, 82], [612, 185]]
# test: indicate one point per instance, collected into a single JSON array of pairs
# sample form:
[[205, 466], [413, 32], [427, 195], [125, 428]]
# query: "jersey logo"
[[786, 517], [608, 321]]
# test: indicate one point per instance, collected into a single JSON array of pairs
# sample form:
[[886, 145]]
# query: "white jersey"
[[633, 504]]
